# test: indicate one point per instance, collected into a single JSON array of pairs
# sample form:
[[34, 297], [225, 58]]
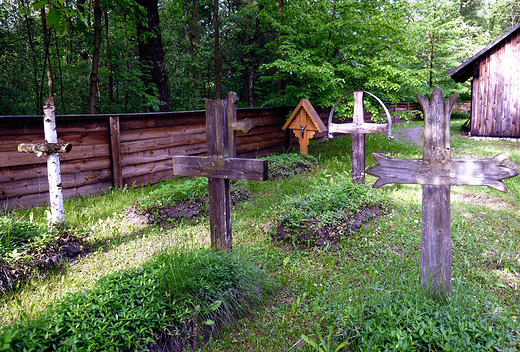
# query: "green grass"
[[366, 287]]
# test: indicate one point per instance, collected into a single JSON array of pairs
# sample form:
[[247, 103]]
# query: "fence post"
[[115, 151]]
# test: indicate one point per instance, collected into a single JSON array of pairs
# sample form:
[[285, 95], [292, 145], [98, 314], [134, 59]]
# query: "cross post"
[[436, 172], [220, 165], [358, 128], [52, 148]]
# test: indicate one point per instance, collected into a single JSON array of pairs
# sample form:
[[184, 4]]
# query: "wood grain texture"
[[475, 172], [229, 168]]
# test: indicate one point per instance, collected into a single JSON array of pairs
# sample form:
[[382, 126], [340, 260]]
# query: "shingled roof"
[[465, 71]]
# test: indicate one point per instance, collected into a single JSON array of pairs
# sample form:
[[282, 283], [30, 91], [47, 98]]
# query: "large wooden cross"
[[52, 148], [358, 128], [221, 165], [436, 171]]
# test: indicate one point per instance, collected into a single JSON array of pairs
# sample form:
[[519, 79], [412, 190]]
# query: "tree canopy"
[[110, 56]]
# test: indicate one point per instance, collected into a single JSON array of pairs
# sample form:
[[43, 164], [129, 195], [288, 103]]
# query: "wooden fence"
[[110, 150], [125, 149]]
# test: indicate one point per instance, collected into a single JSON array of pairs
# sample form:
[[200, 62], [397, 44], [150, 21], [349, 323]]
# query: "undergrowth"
[[129, 310], [403, 317]]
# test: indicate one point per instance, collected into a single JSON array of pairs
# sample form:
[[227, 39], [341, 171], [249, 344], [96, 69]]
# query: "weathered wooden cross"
[[52, 148], [358, 128], [437, 172], [221, 165]]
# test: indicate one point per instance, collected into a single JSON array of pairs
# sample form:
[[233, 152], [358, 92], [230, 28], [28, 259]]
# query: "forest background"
[[114, 56]]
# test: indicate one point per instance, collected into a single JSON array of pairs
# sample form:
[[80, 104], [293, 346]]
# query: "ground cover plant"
[[174, 298], [361, 294]]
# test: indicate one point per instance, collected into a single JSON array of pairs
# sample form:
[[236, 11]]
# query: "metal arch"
[[331, 114]]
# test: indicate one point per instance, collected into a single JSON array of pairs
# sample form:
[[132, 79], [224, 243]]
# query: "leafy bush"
[[128, 310], [16, 234], [408, 319], [289, 164]]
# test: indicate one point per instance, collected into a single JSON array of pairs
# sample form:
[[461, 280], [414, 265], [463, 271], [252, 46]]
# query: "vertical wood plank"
[[358, 141], [232, 100], [219, 192], [115, 151], [436, 262], [436, 217], [220, 214]]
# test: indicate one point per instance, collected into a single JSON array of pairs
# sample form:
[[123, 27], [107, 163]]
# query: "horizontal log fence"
[[124, 149], [119, 149]]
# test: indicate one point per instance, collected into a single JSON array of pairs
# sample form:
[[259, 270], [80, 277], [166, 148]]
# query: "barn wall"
[[496, 92], [119, 149]]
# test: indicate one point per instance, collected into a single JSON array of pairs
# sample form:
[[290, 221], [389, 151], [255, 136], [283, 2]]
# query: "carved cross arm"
[[228, 168], [474, 172]]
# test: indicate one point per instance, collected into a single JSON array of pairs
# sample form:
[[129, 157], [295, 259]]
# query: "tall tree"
[[94, 74], [151, 51]]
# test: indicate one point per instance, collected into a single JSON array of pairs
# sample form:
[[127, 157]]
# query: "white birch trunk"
[[53, 163]]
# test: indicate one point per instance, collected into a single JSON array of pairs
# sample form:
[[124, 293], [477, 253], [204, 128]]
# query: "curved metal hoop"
[[331, 114]]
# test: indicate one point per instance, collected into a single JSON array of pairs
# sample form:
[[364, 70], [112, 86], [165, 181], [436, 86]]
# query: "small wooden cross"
[[304, 122], [436, 171], [52, 148], [221, 165], [358, 128]]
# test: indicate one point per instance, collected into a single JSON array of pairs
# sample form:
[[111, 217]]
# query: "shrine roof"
[[312, 115], [465, 71]]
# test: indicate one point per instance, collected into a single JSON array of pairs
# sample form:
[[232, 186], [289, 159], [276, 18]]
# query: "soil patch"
[[66, 247], [172, 213], [316, 234]]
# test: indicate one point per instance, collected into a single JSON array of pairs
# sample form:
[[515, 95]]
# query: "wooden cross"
[[221, 165], [304, 122], [52, 148], [358, 128], [436, 171]]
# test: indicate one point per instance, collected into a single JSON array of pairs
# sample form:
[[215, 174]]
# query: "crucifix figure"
[[52, 148], [221, 165], [358, 128], [436, 171]]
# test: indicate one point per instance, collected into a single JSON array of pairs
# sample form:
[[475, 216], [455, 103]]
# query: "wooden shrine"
[[220, 165], [304, 122], [358, 128], [52, 148], [436, 171]]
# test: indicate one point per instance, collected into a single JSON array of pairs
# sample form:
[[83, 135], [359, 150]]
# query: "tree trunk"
[[94, 75], [109, 63], [151, 51], [279, 82], [196, 41], [217, 49], [28, 22], [47, 58]]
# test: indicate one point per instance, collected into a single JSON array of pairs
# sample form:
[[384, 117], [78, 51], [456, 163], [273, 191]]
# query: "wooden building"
[[495, 88]]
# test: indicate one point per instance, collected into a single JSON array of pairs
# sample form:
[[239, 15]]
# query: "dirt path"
[[414, 134]]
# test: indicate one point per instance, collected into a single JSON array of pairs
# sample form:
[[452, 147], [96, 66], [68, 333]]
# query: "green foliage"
[[404, 318], [17, 234], [289, 164], [127, 310]]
